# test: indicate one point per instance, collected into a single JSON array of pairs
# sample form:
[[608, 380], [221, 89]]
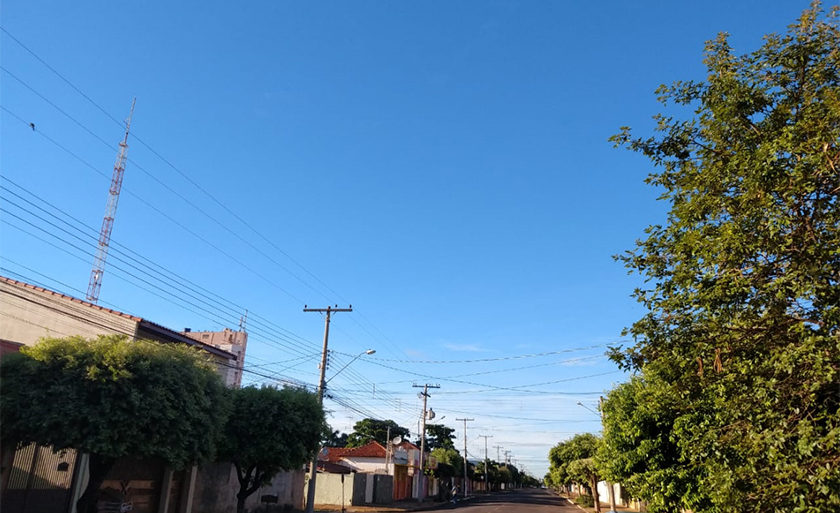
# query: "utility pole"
[[498, 453], [486, 471], [313, 471], [610, 486], [98, 270], [421, 491], [466, 462]]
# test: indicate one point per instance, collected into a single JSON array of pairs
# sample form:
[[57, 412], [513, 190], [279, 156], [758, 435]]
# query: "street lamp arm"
[[369, 351]]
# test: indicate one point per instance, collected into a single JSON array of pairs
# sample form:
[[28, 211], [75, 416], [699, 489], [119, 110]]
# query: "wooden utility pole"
[[466, 462], [313, 471], [421, 490]]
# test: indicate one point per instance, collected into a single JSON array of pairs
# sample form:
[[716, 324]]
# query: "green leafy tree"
[[563, 455], [438, 435], [368, 430], [583, 470], [640, 450], [504, 477], [450, 463], [336, 439], [270, 430], [743, 291], [112, 398]]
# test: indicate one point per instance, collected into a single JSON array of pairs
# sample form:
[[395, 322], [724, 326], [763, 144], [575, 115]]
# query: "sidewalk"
[[605, 508], [395, 507]]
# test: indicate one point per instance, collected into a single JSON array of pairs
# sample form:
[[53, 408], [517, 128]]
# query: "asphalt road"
[[525, 501]]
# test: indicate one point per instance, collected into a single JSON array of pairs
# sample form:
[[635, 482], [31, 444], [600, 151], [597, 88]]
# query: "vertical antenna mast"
[[108, 221]]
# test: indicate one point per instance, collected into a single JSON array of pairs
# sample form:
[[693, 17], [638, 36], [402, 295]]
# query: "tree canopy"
[[572, 461], [438, 435], [367, 430], [110, 397], [742, 332], [640, 450], [270, 430]]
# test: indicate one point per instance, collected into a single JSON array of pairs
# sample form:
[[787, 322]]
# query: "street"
[[529, 500]]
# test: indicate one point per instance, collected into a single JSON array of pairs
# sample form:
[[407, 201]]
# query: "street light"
[[588, 408], [368, 352], [313, 469]]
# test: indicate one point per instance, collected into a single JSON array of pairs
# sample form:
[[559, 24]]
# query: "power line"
[[497, 359], [157, 268], [195, 184]]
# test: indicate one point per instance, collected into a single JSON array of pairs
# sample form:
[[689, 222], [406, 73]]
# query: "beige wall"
[[328, 489], [28, 315], [235, 342], [216, 486]]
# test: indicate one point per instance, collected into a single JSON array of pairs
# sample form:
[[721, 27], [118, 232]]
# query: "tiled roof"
[[370, 450], [65, 296]]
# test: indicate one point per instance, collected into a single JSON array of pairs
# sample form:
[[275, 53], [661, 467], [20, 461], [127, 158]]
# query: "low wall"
[[216, 486], [329, 489]]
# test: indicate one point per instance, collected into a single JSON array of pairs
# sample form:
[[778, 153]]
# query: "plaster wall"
[[28, 315]]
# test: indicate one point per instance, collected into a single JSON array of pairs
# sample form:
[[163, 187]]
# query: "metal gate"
[[39, 480]]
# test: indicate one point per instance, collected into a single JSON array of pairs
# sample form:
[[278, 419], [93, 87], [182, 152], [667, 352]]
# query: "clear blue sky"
[[443, 166]]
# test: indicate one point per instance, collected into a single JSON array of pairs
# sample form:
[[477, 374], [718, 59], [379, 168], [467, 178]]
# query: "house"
[[401, 461], [36, 479]]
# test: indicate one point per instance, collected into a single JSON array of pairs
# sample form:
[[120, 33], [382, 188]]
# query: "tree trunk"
[[240, 503], [98, 468], [595, 497]]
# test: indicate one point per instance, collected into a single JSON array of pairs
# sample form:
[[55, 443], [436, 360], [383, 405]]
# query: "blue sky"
[[443, 166]]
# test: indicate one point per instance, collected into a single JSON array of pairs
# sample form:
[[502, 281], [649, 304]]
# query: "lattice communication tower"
[[110, 211]]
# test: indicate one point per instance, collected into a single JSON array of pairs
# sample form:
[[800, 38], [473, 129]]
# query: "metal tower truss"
[[108, 221]]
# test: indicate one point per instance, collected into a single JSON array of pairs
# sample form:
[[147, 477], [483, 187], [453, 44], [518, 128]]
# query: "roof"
[[405, 444], [152, 327], [370, 450], [333, 468], [69, 298]]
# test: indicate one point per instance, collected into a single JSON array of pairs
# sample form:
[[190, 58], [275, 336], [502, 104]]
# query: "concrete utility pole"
[[610, 486], [498, 453], [486, 471], [313, 471], [466, 463], [421, 492]]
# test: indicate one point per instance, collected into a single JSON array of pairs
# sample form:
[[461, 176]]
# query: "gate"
[[39, 480]]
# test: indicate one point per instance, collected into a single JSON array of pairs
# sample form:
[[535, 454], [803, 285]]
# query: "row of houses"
[[35, 478]]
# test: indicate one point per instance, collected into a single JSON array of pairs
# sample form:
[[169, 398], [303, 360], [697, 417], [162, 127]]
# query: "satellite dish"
[[397, 440]]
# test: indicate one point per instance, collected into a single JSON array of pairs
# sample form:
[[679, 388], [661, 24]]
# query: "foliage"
[[585, 500], [110, 397], [743, 300], [336, 439], [580, 446], [530, 481], [583, 470], [504, 476], [438, 435], [270, 430], [450, 463], [640, 450], [573, 461], [368, 430]]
